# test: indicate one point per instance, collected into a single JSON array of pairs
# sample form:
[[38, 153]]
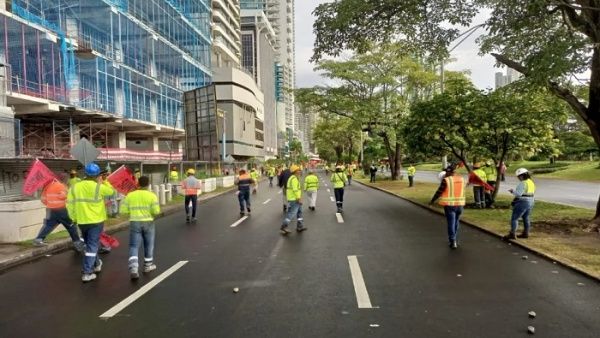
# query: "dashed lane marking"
[[332, 198], [139, 293], [267, 201], [238, 222], [339, 217], [362, 295]]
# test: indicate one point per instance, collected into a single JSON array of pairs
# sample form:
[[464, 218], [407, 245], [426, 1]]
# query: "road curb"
[[65, 243], [489, 232]]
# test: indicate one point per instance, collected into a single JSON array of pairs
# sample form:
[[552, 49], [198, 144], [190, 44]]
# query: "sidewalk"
[[14, 254]]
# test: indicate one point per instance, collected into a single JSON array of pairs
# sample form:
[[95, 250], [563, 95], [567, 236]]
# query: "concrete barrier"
[[225, 181], [22, 220], [209, 184]]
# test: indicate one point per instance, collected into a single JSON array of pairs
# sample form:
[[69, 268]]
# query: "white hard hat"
[[521, 171]]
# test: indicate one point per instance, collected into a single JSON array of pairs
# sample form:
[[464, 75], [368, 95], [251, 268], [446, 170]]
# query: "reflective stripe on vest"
[[454, 195]]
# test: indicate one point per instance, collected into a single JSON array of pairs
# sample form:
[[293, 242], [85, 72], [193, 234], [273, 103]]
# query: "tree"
[[548, 41], [376, 88], [295, 149], [336, 136]]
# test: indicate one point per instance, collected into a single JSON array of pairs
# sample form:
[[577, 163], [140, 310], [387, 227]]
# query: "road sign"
[[84, 151]]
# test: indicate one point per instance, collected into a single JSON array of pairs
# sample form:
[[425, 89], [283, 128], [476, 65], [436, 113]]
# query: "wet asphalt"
[[301, 285]]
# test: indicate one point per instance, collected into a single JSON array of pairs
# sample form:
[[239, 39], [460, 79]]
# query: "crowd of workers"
[[82, 204]]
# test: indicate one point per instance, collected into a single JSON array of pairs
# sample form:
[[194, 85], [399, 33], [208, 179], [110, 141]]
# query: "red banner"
[[123, 180], [474, 179], [37, 177]]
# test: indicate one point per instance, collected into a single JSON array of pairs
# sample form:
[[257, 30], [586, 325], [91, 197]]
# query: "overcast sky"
[[482, 68]]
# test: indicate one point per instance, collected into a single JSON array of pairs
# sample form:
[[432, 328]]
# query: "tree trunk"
[[392, 158], [397, 155]]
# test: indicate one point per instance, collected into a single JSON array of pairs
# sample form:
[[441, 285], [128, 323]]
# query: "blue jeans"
[[521, 209], [194, 200], [453, 217], [294, 210], [349, 179], [479, 194], [244, 198], [55, 217], [139, 231], [339, 197], [91, 236]]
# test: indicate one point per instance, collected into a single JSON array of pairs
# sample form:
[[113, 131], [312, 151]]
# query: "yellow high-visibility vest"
[[140, 205]]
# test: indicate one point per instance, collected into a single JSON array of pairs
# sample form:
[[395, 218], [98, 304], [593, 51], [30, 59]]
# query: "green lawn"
[[566, 170], [557, 230]]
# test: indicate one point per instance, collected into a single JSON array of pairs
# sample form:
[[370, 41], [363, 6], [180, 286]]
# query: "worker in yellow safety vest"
[[311, 186], [522, 204], [174, 179], [339, 181], [411, 171], [73, 178], [451, 193], [479, 190], [254, 176], [85, 205], [142, 206], [294, 197], [271, 174]]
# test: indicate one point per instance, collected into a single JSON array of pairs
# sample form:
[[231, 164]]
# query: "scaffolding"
[[129, 58]]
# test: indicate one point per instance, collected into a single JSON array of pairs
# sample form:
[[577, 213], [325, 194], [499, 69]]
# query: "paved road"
[[303, 285], [581, 194]]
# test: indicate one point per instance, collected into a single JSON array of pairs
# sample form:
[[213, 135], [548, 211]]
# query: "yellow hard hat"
[[294, 168], [73, 171], [191, 171]]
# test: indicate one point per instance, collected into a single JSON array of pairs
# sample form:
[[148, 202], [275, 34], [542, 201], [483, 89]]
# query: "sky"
[[466, 54]]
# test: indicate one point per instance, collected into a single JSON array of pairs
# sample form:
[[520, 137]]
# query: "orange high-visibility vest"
[[54, 195], [191, 186], [454, 195]]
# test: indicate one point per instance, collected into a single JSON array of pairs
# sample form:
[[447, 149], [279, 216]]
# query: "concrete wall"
[[21, 220]]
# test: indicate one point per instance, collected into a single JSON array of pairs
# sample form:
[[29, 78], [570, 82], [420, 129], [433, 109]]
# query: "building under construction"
[[113, 71]]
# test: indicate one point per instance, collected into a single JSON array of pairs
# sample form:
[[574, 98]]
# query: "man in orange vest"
[[54, 197], [452, 197], [191, 185]]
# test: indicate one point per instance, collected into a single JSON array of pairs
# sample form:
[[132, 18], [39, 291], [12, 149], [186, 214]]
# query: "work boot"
[[88, 277], [98, 267], [187, 219], [302, 228], [39, 242], [523, 235], [133, 273], [242, 214], [194, 219], [149, 267], [248, 211], [284, 208], [454, 245], [511, 235], [284, 230]]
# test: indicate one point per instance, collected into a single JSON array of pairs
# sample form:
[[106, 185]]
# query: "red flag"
[[122, 180], [107, 240], [474, 179], [38, 176]]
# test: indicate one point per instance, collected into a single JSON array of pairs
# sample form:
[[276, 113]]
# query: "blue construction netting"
[[120, 4], [66, 49]]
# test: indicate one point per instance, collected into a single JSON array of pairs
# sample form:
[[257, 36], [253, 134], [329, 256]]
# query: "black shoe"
[[511, 235], [242, 214], [284, 208], [187, 219], [301, 229], [249, 211], [523, 235], [453, 245]]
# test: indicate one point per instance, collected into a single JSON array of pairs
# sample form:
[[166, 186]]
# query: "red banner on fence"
[[123, 180], [37, 177]]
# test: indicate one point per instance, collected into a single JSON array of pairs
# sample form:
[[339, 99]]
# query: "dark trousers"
[[489, 198], [194, 200], [479, 194], [411, 181], [55, 217], [339, 197], [373, 178], [244, 199]]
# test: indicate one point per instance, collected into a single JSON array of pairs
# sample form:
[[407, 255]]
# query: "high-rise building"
[[280, 14], [237, 92], [258, 57], [113, 71], [510, 77]]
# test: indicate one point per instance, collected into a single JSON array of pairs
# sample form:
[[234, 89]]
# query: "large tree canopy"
[[548, 41]]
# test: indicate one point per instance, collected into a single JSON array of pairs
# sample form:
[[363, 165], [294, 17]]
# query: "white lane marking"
[[279, 192], [332, 199], [139, 293], [267, 201], [339, 217], [239, 221], [328, 190], [362, 296]]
